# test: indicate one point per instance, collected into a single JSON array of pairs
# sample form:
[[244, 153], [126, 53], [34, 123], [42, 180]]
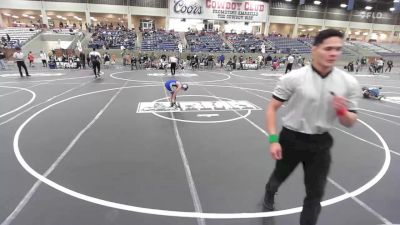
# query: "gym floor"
[[77, 150]]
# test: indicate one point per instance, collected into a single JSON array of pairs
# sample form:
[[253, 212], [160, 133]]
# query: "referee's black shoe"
[[269, 201]]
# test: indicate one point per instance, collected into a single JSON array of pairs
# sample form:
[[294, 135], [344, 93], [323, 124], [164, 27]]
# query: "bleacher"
[[289, 45], [160, 41], [371, 47], [19, 36], [113, 39], [395, 48], [244, 42], [206, 42]]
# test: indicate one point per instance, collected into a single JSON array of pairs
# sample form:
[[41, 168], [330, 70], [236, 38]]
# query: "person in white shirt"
[[19, 58], [43, 57], [289, 65], [173, 60], [95, 58], [379, 66], [316, 96]]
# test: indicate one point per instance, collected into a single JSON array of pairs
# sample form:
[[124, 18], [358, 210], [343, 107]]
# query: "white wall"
[[111, 9], [81, 7], [382, 27], [283, 19], [310, 21], [238, 27], [64, 6], [336, 23], [148, 11], [7, 4], [359, 25], [178, 25]]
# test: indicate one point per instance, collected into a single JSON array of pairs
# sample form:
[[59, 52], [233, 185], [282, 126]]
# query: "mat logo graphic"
[[395, 100], [169, 75], [196, 106]]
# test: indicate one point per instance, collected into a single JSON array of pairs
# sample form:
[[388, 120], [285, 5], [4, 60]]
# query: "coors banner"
[[230, 10]]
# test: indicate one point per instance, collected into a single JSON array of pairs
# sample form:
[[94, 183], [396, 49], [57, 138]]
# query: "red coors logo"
[[180, 6]]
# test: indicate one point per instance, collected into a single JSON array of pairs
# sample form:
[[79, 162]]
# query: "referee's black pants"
[[313, 151], [96, 64], [173, 68], [22, 64], [288, 67]]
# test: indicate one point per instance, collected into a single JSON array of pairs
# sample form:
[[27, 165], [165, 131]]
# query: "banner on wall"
[[229, 10]]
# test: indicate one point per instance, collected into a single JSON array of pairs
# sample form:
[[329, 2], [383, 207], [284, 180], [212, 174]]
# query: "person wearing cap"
[[174, 86], [315, 96], [19, 58]]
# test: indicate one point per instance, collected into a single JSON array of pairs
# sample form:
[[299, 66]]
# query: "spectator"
[[289, 65], [43, 57], [83, 59], [95, 58], [31, 58], [2, 60], [389, 65]]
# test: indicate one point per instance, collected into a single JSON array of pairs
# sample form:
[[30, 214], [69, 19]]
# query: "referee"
[[315, 97], [19, 58]]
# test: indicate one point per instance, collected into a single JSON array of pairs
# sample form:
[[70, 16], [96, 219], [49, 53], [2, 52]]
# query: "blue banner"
[[397, 6], [350, 5]]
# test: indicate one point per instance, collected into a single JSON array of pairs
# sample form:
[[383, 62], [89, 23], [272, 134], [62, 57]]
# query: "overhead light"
[[32, 17], [6, 14], [288, 0], [343, 5], [303, 30], [365, 33], [391, 9], [310, 29], [357, 33], [24, 15], [40, 15], [16, 17], [59, 17], [396, 0], [80, 19], [368, 7], [317, 2], [49, 18]]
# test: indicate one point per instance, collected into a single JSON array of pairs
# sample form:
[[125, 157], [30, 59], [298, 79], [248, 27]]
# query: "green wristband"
[[273, 138]]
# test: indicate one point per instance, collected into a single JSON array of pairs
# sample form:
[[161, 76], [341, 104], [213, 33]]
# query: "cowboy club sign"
[[230, 10]]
